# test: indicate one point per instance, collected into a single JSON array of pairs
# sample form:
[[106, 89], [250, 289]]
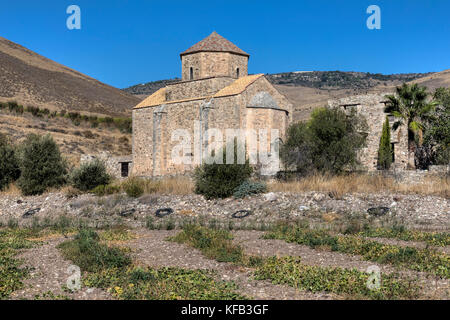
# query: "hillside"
[[37, 82], [310, 89], [32, 79], [74, 139]]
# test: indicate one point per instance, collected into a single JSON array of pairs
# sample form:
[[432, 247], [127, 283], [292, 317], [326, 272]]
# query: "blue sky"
[[123, 43]]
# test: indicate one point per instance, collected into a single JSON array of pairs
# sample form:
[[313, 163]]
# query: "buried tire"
[[30, 212], [241, 214], [163, 212], [378, 211]]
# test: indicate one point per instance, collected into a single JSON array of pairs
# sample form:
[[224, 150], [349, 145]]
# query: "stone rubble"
[[425, 211]]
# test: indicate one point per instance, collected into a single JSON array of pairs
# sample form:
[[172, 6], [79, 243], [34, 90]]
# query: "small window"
[[237, 72], [191, 73], [124, 169]]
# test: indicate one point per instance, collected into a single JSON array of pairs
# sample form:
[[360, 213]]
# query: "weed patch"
[[215, 244], [401, 233], [89, 254], [291, 271], [137, 283], [11, 272], [427, 260]]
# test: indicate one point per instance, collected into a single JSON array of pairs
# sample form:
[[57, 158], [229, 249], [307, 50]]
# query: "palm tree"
[[410, 104]]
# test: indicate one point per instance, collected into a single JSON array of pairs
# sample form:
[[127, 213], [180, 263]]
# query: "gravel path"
[[49, 274], [150, 248], [432, 286]]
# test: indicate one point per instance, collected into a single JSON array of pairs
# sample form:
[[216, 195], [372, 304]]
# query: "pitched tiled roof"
[[215, 43], [237, 87], [155, 99]]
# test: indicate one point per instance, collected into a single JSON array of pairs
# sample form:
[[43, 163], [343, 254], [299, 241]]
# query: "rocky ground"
[[150, 248], [424, 212], [49, 270]]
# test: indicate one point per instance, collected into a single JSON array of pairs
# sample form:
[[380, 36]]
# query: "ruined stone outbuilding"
[[371, 106], [215, 92]]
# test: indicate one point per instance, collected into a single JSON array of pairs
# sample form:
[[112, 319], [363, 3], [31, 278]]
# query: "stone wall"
[[371, 106], [113, 164], [153, 127], [213, 64], [415, 176], [196, 88]]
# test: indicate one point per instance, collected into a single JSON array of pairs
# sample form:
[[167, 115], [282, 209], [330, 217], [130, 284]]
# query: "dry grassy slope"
[[72, 140], [436, 80], [305, 99], [32, 79]]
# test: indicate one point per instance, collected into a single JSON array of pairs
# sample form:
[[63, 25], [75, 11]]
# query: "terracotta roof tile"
[[237, 87], [215, 43], [155, 99]]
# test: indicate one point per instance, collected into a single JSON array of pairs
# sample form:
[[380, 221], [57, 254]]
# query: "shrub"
[[99, 190], [385, 149], [217, 180], [41, 165], [89, 254], [13, 106], [102, 190], [134, 187], [436, 139], [35, 111], [90, 175], [248, 188], [328, 142], [215, 244], [9, 165]]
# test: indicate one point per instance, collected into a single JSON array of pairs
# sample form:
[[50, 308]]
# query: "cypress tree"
[[385, 149]]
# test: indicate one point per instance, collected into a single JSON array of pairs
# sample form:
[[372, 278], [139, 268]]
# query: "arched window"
[[191, 73], [237, 72]]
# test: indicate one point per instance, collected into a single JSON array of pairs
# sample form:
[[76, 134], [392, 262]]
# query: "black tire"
[[378, 211], [31, 212], [241, 214], [127, 213], [163, 212]]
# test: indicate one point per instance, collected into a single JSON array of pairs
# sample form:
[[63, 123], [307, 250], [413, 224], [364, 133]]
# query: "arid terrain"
[[32, 79], [295, 244]]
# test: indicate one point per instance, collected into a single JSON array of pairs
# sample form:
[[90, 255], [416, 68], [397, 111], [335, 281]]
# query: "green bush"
[[248, 188], [134, 187], [385, 149], [328, 142], [90, 175], [9, 165], [35, 111], [89, 254], [41, 165], [215, 244], [13, 106], [217, 180], [102, 190]]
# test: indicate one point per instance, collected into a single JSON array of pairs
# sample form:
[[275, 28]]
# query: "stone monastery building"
[[215, 92]]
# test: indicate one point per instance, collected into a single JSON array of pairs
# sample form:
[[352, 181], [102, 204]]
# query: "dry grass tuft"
[[11, 190], [179, 185], [361, 183]]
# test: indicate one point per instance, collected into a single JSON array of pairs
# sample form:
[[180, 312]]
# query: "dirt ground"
[[49, 271]]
